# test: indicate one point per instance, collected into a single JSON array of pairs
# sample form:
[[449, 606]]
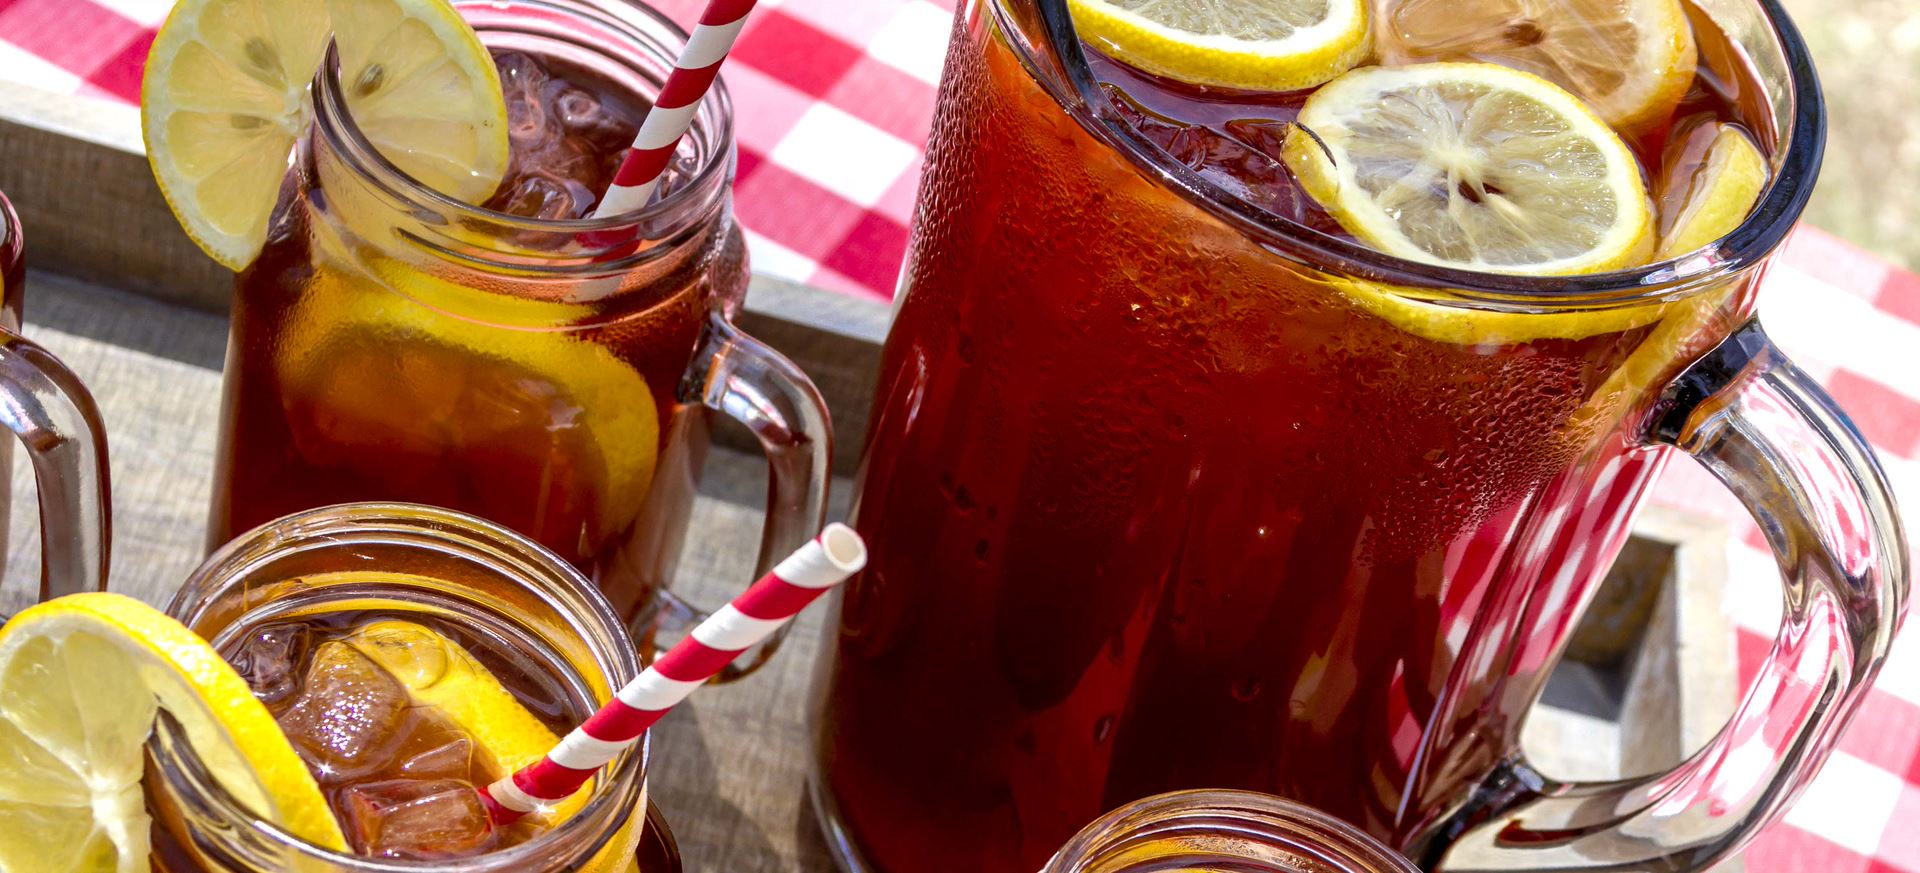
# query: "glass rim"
[[10, 230], [619, 791], [1798, 159], [333, 120], [1265, 817]]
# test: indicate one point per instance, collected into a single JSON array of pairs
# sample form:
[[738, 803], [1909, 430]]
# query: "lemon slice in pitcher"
[[1267, 45], [1473, 166], [1632, 60], [1708, 200], [81, 680], [225, 95]]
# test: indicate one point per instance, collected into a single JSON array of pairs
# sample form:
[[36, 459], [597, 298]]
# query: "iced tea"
[[1157, 507], [401, 778], [405, 690], [465, 362]]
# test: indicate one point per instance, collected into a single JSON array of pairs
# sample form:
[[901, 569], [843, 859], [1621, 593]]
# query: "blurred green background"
[[1868, 52]]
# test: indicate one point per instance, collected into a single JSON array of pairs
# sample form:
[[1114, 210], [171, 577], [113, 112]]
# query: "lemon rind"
[[1308, 57], [151, 639]]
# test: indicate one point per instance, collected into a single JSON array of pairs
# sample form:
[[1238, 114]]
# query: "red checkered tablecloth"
[[834, 98]]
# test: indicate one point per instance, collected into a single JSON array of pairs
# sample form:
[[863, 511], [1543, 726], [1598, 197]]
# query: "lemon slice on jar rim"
[[1273, 45], [81, 681], [225, 97]]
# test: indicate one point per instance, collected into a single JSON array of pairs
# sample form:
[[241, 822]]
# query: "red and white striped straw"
[[673, 110], [819, 565]]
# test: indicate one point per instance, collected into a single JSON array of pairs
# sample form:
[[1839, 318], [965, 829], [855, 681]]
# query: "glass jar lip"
[[1296, 827], [1781, 204], [622, 785], [9, 222], [333, 121]]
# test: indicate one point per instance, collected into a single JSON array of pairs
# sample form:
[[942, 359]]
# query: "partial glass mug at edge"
[[1165, 491], [55, 418], [551, 380], [403, 559], [1241, 831]]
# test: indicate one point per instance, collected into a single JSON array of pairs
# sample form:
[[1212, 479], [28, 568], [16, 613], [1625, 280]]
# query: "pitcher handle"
[[47, 407], [1775, 438], [751, 383]]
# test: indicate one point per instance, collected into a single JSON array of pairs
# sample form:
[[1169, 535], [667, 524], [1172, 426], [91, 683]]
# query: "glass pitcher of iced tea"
[[354, 624], [517, 360], [1176, 480], [55, 418]]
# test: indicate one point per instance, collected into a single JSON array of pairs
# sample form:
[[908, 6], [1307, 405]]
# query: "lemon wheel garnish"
[[1473, 166], [1713, 196], [1266, 45], [81, 680], [441, 674], [425, 92], [225, 96], [1632, 60]]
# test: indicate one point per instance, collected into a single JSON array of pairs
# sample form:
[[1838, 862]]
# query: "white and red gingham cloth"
[[833, 101]]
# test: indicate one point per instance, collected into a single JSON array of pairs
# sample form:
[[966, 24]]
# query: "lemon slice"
[[81, 679], [425, 92], [224, 97], [1474, 166], [535, 428], [1707, 199], [1633, 60], [1266, 45], [441, 674]]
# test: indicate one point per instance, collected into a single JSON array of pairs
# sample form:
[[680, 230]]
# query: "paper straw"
[[819, 565], [673, 110]]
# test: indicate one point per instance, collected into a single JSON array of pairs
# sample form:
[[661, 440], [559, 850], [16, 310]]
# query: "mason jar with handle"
[[54, 416], [1166, 491], [557, 376]]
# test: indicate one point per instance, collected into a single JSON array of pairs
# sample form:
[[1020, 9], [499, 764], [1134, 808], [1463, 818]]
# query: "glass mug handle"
[[1775, 438], [751, 383], [47, 407]]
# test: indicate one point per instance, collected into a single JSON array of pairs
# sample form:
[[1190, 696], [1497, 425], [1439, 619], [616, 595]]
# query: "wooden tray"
[[126, 300]]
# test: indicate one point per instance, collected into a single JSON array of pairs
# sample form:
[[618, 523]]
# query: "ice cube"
[[523, 82], [581, 114], [349, 717], [539, 195], [416, 819], [269, 660], [453, 759]]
